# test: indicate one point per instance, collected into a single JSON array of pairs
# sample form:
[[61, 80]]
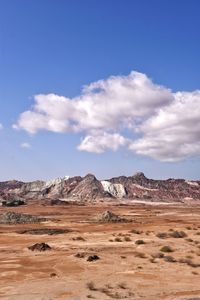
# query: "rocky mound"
[[39, 247], [17, 218], [110, 217]]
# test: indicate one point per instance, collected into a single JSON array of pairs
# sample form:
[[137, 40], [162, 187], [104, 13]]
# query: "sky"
[[108, 87]]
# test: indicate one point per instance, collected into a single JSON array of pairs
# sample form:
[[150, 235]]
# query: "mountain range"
[[89, 188]]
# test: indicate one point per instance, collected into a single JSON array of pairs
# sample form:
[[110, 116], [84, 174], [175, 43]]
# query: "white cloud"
[[163, 125], [102, 142], [1, 126], [103, 105], [174, 132], [25, 145]]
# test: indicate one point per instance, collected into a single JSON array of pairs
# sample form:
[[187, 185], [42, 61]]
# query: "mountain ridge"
[[89, 187]]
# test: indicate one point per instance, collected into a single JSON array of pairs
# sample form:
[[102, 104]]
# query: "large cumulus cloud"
[[159, 123]]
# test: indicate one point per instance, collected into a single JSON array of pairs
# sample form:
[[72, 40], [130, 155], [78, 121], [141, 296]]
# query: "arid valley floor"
[[132, 262]]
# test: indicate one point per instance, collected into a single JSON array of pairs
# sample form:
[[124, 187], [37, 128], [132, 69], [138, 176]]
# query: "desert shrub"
[[140, 254], [127, 239], [189, 257], [162, 235], [158, 255], [188, 262], [195, 273], [178, 234], [166, 249], [91, 286], [122, 285], [80, 255], [139, 242], [136, 231], [189, 240], [78, 238], [117, 239], [188, 228], [108, 286], [169, 258]]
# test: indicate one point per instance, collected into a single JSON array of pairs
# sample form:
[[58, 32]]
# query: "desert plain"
[[154, 254]]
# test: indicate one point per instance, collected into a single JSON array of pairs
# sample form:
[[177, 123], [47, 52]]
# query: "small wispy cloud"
[[1, 126], [25, 145]]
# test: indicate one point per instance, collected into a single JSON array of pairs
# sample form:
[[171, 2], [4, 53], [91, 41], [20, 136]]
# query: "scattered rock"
[[93, 257], [39, 247], [110, 217], [18, 218]]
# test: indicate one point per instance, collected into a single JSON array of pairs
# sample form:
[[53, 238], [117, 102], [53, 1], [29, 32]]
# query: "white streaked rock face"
[[192, 183], [56, 181], [115, 189]]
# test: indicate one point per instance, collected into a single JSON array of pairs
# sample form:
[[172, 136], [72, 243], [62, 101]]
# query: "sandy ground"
[[125, 270]]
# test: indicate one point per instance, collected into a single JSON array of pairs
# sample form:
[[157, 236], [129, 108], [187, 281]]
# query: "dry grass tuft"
[[166, 249]]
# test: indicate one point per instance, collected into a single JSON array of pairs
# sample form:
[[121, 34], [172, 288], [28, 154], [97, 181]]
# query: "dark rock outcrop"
[[39, 247], [17, 218], [12, 203]]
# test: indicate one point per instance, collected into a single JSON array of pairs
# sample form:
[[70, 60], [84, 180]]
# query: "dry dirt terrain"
[[155, 256]]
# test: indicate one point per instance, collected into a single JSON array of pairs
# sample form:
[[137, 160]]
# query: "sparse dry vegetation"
[[140, 242], [166, 249]]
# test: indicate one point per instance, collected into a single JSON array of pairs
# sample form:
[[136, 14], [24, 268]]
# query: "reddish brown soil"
[[124, 271]]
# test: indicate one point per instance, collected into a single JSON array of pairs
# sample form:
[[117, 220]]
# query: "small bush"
[[122, 285], [189, 228], [166, 249], [162, 235], [136, 231], [117, 239], [189, 240], [158, 255], [195, 273], [127, 239], [188, 262], [169, 258], [178, 234], [78, 238], [91, 286], [139, 242], [80, 255], [140, 254]]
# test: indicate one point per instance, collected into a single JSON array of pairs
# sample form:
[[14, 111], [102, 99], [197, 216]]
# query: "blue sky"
[[57, 47]]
